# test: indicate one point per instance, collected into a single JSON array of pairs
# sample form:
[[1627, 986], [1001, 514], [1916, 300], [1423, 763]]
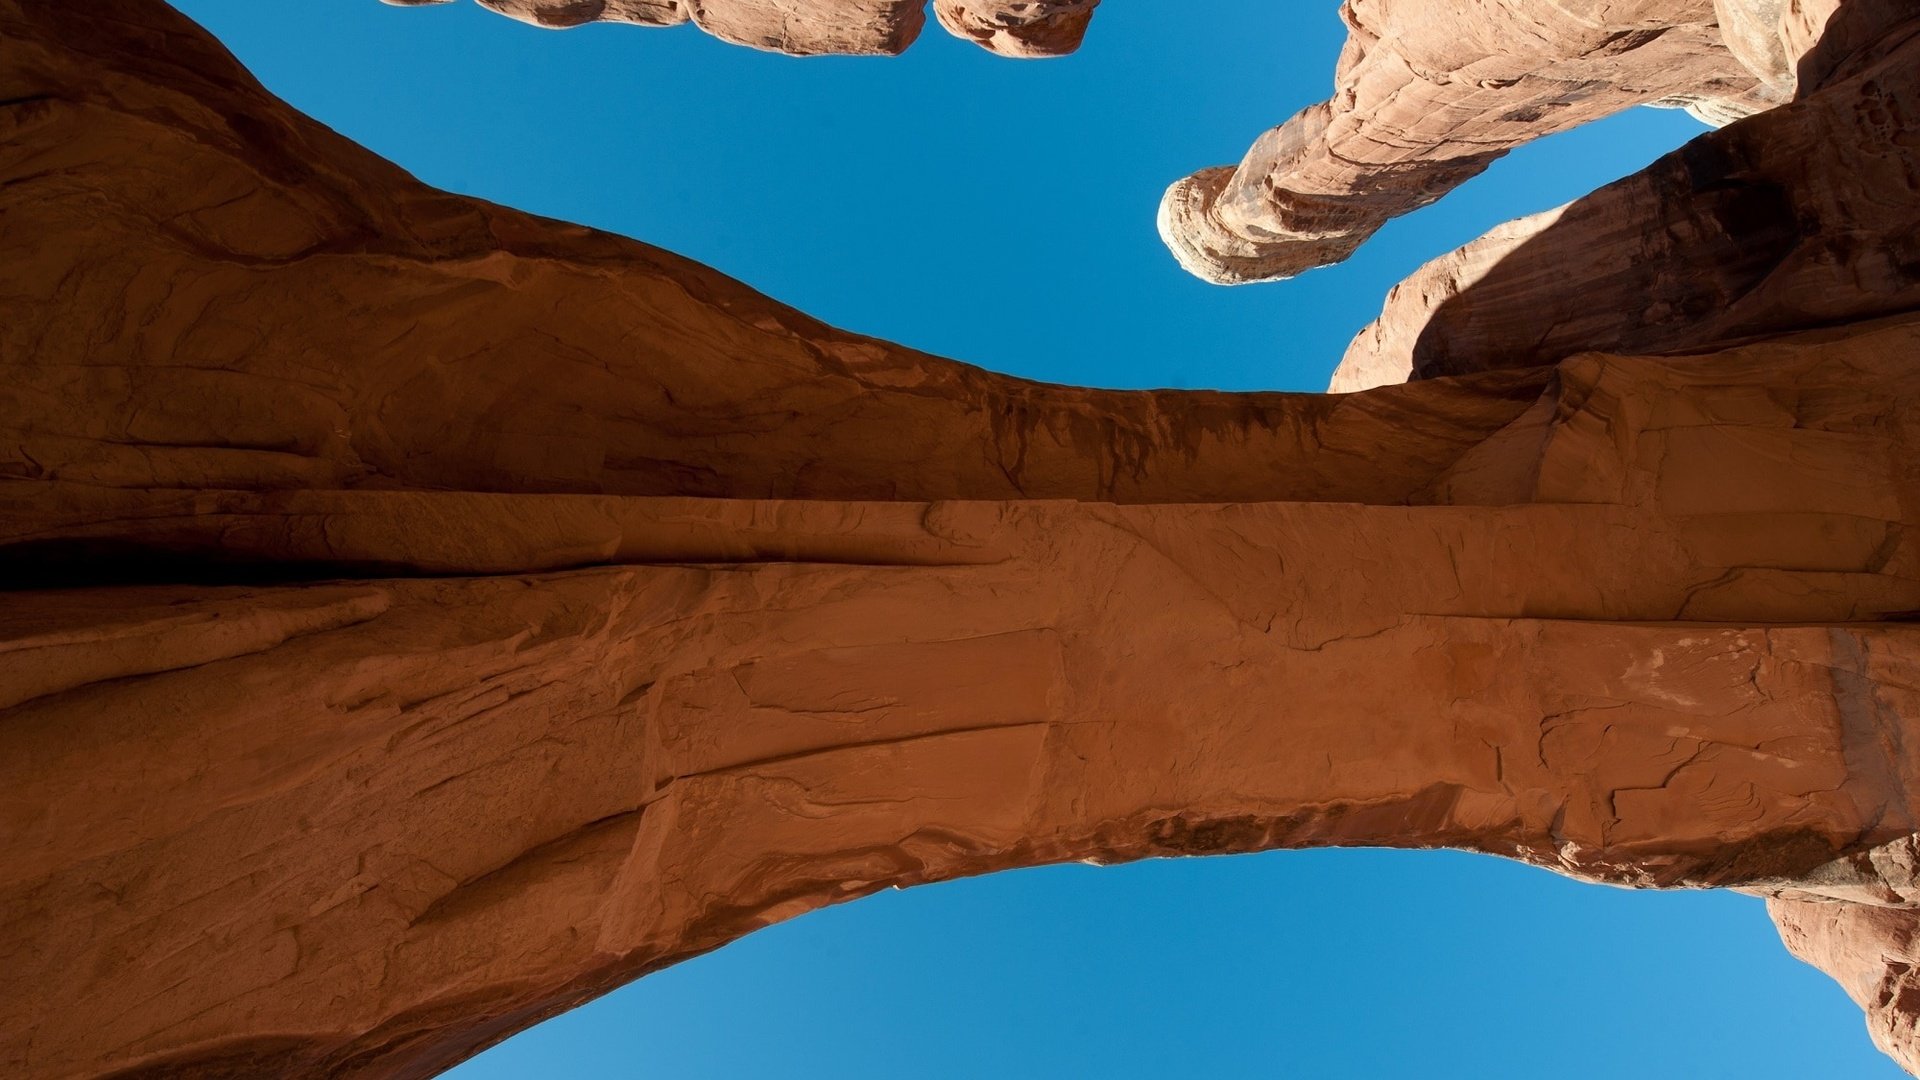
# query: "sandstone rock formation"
[[1022, 28], [428, 616], [1427, 95], [1872, 951], [1805, 215]]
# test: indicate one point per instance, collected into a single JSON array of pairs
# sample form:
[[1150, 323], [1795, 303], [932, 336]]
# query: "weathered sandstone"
[[1801, 216], [1427, 96], [1022, 28], [1872, 952], [1424, 99], [428, 616], [1025, 28]]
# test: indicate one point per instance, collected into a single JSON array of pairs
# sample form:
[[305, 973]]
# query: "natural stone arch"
[[643, 629]]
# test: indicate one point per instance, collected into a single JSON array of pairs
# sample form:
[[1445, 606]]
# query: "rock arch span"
[[427, 616]]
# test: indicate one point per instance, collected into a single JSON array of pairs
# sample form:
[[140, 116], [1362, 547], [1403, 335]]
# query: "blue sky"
[[1002, 213]]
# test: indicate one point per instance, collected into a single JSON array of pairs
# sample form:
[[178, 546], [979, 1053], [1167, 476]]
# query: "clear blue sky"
[[1002, 213]]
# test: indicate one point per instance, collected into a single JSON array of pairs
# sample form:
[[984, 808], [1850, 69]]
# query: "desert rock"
[[1019, 28], [425, 616], [1800, 216], [1426, 97]]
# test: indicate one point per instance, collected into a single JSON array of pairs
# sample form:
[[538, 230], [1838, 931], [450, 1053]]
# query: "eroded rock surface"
[[1020, 28], [1873, 953], [1025, 28], [442, 615], [1424, 99], [1801, 216], [1427, 96]]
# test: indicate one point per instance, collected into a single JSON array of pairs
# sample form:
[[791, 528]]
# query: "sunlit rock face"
[[1427, 95], [1874, 953], [1801, 216], [428, 616], [1020, 28]]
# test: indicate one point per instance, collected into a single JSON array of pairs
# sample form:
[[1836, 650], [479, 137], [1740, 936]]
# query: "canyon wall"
[[425, 617]]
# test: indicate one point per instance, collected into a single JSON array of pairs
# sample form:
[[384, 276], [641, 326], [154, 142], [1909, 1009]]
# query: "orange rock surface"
[[428, 616], [1428, 95], [1872, 951], [1022, 28], [1805, 215]]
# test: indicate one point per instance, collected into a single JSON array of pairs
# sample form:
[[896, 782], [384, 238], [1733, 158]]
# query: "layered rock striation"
[[425, 617]]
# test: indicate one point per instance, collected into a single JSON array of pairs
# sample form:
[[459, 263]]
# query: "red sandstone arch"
[[458, 613]]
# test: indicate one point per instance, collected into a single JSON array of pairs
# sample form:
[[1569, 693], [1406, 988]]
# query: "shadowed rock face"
[[429, 616], [1021, 28]]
